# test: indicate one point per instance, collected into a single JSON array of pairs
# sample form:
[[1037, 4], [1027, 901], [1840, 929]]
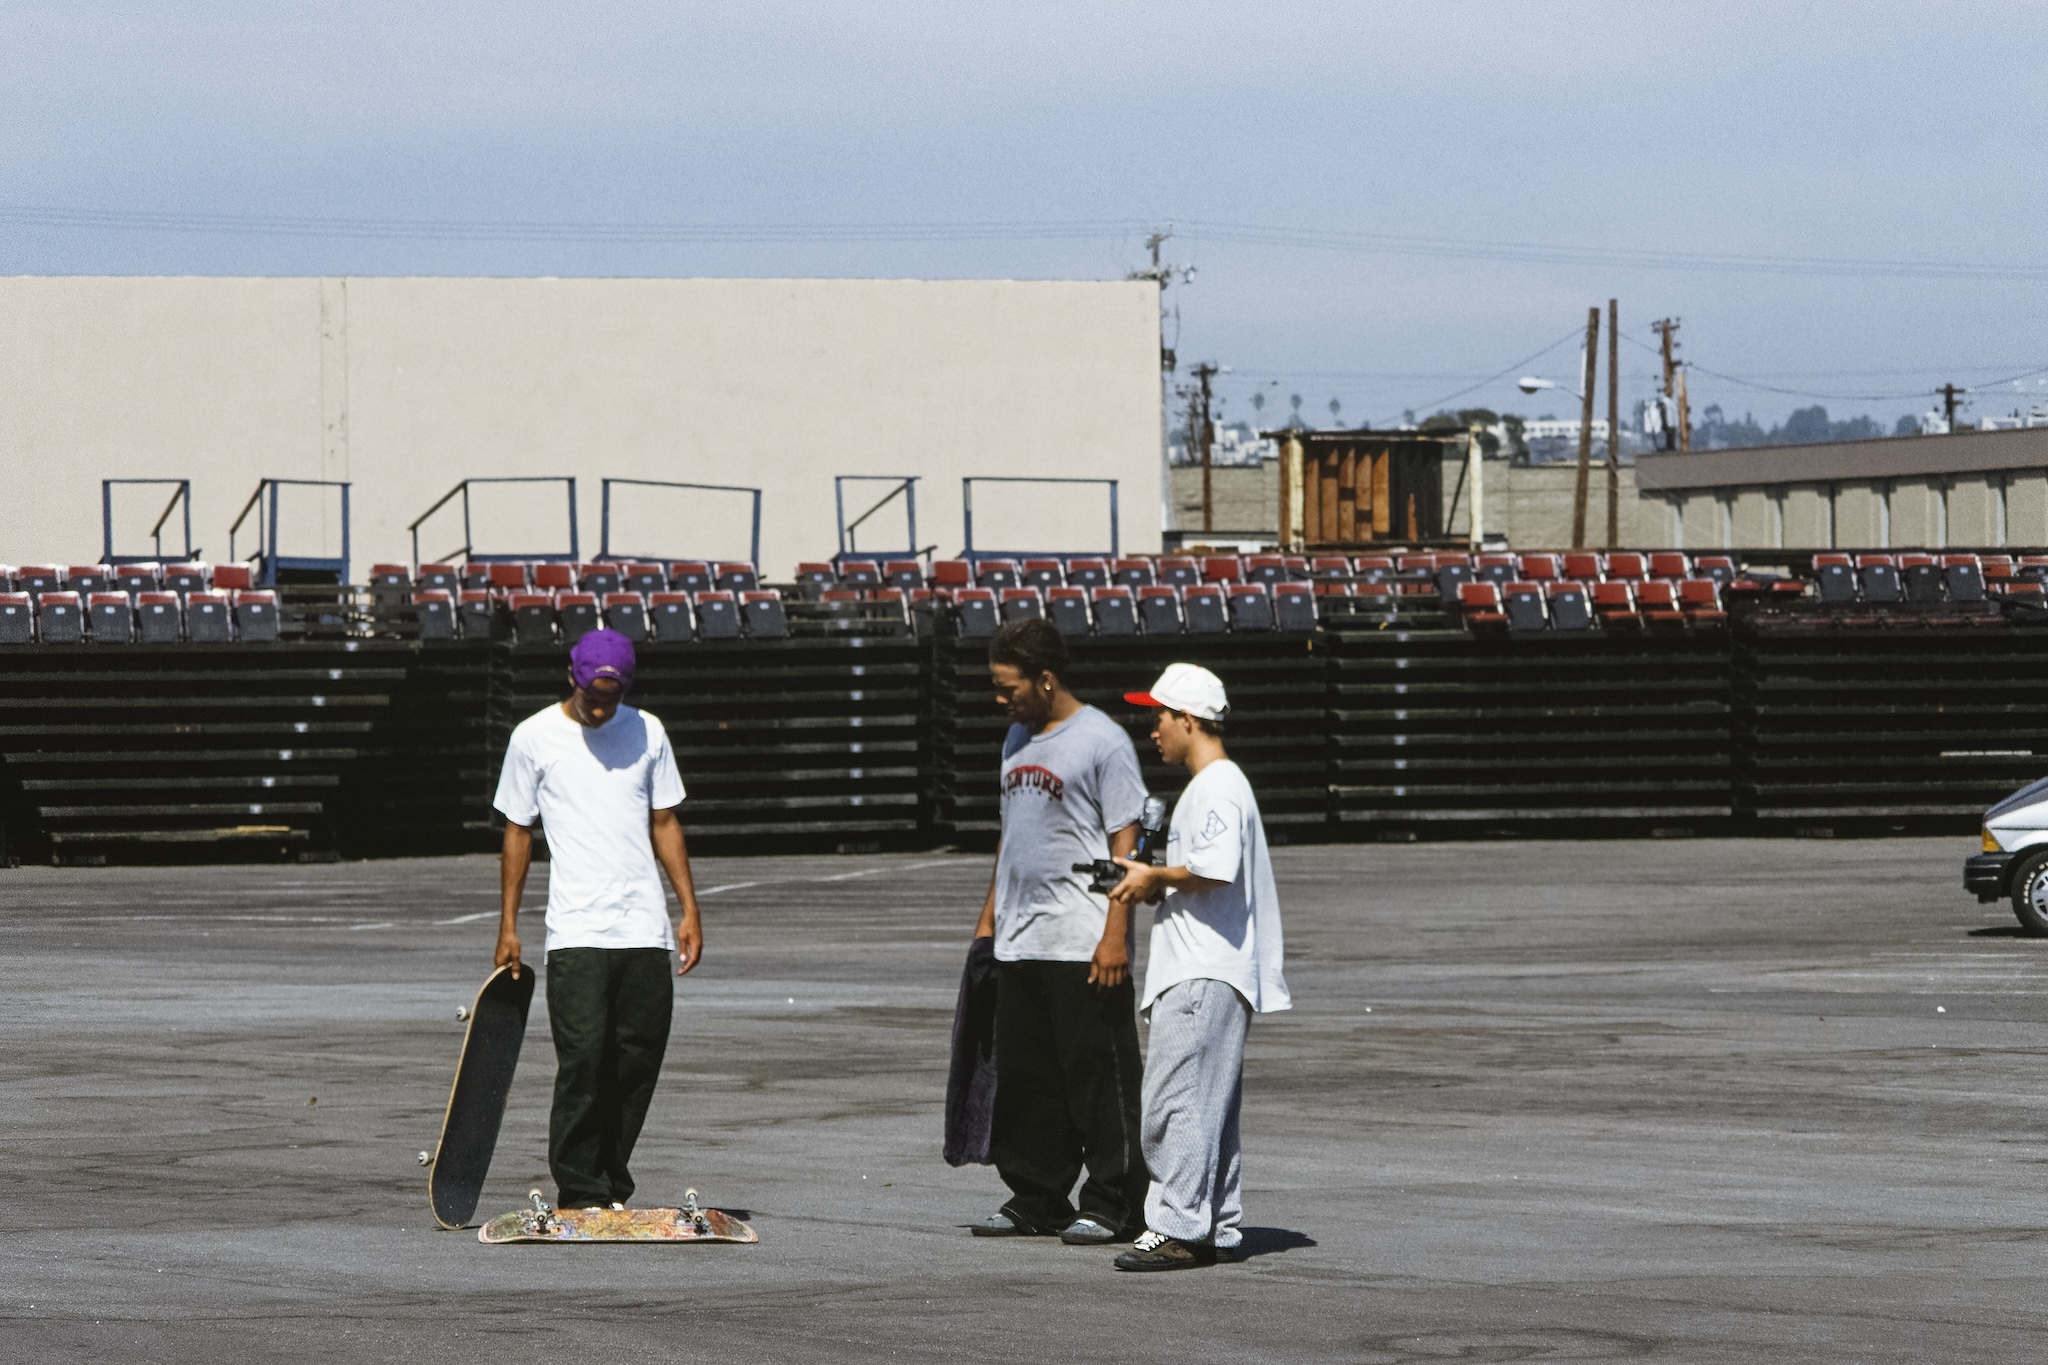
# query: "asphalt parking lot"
[[1685, 1101]]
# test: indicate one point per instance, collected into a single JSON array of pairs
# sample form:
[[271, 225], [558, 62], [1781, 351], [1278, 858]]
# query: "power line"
[[1837, 397], [1492, 378], [1251, 234]]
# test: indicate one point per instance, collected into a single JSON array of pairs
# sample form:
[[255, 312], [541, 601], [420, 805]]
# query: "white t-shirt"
[[1065, 791], [1228, 933], [592, 790]]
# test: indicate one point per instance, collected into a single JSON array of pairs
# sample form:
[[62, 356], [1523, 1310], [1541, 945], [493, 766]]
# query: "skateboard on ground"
[[476, 1103], [690, 1223]]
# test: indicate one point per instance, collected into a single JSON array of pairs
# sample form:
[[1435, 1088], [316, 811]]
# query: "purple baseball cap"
[[602, 654]]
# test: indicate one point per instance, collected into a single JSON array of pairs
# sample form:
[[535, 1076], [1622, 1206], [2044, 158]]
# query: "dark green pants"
[[609, 1009], [1068, 1082]]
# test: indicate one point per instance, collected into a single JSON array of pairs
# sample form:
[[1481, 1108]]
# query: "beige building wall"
[[2026, 507], [1806, 518], [1241, 498], [1532, 506], [405, 386]]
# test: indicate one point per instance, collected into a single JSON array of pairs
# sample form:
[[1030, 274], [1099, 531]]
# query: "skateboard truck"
[[540, 1219], [691, 1213]]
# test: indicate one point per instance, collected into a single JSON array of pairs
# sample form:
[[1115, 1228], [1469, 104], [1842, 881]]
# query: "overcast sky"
[[1568, 140]]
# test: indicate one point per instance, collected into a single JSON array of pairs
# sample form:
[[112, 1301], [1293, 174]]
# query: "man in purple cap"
[[599, 777]]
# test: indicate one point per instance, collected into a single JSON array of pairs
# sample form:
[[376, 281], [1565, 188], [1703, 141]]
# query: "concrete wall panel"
[[405, 386]]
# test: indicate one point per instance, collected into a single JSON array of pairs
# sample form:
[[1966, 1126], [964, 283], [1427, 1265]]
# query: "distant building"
[[1235, 444], [1561, 428]]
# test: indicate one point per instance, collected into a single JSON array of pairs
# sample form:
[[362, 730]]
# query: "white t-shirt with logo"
[[1229, 933], [1064, 792], [592, 790]]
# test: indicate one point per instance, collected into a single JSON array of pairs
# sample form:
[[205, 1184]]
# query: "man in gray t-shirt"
[[1068, 1072]]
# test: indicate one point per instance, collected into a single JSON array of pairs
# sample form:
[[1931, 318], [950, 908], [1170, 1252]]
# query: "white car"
[[2014, 862]]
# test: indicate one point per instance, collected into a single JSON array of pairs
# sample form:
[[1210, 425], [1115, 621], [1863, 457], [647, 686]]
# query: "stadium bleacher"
[[1505, 689], [555, 602]]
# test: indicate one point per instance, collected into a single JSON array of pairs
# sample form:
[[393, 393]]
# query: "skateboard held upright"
[[476, 1103]]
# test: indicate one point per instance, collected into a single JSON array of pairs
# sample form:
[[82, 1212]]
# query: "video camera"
[[1106, 873]]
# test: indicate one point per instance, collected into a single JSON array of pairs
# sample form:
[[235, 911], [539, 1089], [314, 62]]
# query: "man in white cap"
[[1215, 962]]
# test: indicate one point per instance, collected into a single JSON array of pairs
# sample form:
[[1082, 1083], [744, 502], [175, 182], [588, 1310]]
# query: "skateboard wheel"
[[462, 1011], [425, 1160]]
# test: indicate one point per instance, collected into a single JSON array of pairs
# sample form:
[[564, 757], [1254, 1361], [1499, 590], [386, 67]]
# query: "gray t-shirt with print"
[[1064, 792]]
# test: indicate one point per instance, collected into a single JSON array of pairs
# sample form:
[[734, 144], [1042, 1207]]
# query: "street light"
[[1531, 384]]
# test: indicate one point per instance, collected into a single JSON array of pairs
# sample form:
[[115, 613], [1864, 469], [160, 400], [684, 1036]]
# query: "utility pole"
[[1950, 395], [1162, 275], [1586, 427], [1613, 425], [1664, 327], [1203, 430], [1684, 414]]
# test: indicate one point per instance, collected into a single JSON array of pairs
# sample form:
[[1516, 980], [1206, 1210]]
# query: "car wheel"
[[2030, 894]]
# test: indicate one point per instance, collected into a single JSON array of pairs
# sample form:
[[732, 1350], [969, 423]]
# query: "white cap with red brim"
[[1188, 688]]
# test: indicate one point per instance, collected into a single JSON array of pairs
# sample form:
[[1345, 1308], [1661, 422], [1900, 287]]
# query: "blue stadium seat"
[[764, 615], [1067, 609], [668, 613], [1251, 608], [157, 618], [626, 613], [1115, 611], [1204, 610], [113, 618], [718, 616], [1159, 610], [60, 618], [256, 616]]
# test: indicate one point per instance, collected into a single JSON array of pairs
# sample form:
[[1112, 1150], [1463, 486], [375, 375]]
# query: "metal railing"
[[971, 554], [268, 559], [905, 488], [181, 498], [466, 550], [605, 550]]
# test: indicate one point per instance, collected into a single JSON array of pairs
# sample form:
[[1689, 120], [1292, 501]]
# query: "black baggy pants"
[[609, 1009], [1068, 1087]]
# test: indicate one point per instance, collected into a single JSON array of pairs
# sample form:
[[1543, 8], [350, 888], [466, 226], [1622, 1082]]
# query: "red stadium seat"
[[1614, 602], [1480, 603], [1669, 564], [1700, 599], [1582, 566], [1628, 566], [1657, 601], [952, 573]]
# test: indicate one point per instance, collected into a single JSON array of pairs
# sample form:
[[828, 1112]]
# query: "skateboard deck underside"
[[617, 1225], [476, 1103]]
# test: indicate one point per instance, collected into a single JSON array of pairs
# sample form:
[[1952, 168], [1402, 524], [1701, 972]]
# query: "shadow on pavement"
[[1268, 1241], [2001, 931]]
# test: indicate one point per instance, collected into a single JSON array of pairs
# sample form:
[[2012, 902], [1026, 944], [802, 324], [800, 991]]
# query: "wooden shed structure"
[[1355, 489]]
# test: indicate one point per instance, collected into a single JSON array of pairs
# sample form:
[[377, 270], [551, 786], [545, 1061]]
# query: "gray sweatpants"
[[1194, 1082]]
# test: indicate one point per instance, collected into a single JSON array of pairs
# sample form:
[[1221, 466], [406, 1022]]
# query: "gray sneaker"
[[1002, 1224], [1088, 1231]]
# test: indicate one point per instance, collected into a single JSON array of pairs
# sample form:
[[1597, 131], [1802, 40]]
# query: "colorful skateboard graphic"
[[690, 1223]]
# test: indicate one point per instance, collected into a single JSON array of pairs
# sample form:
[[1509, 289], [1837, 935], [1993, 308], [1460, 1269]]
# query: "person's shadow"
[[1269, 1241]]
